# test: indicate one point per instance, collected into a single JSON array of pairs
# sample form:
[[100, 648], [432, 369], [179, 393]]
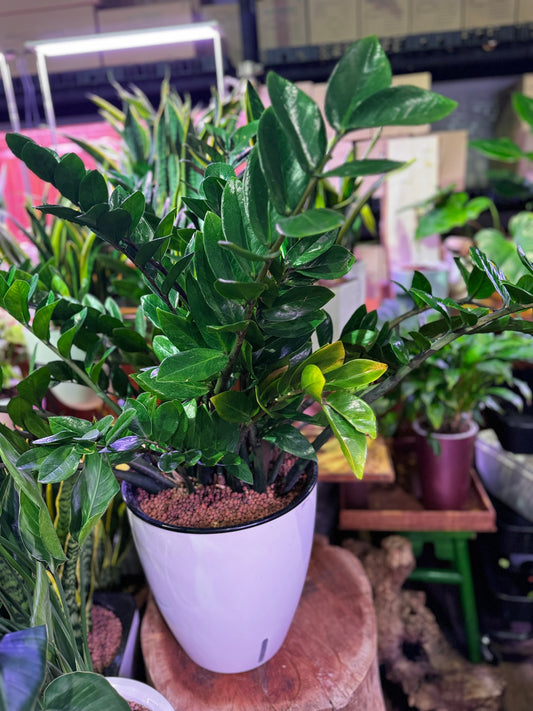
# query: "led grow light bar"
[[111, 41], [11, 101]]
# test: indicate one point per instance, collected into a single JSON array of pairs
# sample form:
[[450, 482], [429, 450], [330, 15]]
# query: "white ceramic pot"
[[141, 693], [228, 595]]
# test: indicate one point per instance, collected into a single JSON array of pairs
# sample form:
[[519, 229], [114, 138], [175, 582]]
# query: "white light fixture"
[[11, 101], [110, 41]]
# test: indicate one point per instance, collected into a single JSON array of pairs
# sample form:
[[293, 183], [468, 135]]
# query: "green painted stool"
[[451, 546]]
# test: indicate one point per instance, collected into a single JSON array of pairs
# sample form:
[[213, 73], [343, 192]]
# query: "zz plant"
[[222, 350]]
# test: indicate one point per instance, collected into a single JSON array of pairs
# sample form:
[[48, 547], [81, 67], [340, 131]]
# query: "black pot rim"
[[128, 491]]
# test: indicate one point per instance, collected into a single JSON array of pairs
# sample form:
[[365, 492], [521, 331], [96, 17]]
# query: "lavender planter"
[[228, 595]]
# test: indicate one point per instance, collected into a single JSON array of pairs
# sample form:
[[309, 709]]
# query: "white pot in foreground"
[[141, 693], [228, 595]]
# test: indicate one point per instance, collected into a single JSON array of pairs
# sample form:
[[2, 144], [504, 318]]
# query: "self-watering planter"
[[228, 595]]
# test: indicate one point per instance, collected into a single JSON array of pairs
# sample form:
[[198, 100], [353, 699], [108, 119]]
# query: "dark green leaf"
[[358, 168], [93, 190], [68, 175], [234, 406]]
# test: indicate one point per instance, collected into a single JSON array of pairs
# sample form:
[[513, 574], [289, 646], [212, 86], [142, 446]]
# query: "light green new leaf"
[[363, 70], [352, 443], [523, 105], [502, 149], [313, 382], [16, 301], [315, 221], [301, 119], [355, 374]]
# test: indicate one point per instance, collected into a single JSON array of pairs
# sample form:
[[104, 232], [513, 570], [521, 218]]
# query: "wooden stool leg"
[[468, 600]]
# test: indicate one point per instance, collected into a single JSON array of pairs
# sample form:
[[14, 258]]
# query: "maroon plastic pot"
[[445, 476]]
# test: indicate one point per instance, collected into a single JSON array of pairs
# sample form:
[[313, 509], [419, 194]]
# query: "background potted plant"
[[225, 365], [445, 399]]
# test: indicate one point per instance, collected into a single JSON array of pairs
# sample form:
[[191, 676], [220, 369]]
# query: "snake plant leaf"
[[239, 290], [363, 70], [315, 221], [135, 136], [192, 366], [234, 406], [352, 443], [93, 190], [356, 411], [400, 106], [82, 691], [333, 264], [359, 168], [285, 178], [313, 382], [38, 533], [68, 174], [23, 667], [95, 488], [297, 302], [355, 374], [15, 301], [301, 119], [502, 149]]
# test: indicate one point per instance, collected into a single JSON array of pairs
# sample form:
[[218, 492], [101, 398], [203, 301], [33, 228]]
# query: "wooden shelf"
[[392, 508]]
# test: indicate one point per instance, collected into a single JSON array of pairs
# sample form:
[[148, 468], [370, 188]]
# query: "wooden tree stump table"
[[328, 661]]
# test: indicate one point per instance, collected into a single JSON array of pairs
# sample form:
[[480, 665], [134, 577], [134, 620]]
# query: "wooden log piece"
[[328, 661]]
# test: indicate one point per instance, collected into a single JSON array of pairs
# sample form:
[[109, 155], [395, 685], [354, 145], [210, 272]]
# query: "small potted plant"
[[225, 366], [444, 400]]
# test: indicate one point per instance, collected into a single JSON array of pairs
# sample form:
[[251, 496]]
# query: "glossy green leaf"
[[400, 106], [307, 249], [195, 365], [41, 321], [93, 190], [180, 331], [315, 221], [285, 178], [40, 160], [363, 70], [359, 168], [297, 302], [16, 143], [97, 487], [253, 104], [65, 341], [333, 264], [352, 443], [166, 420], [16, 301], [134, 205], [481, 261], [523, 106], [301, 120], [114, 225], [60, 464], [239, 291], [256, 201], [234, 406], [34, 386], [356, 411], [68, 174], [502, 149], [291, 440]]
